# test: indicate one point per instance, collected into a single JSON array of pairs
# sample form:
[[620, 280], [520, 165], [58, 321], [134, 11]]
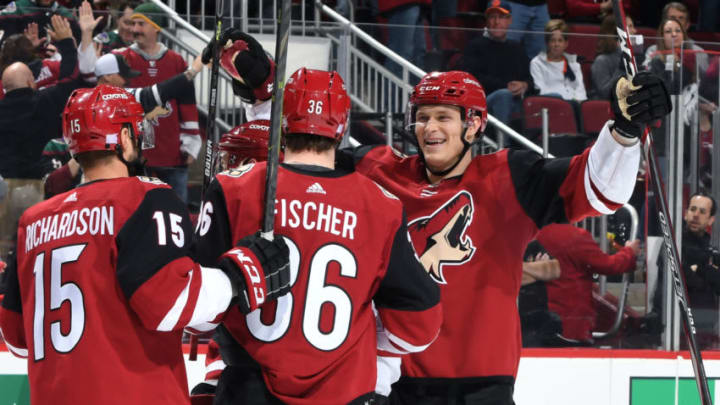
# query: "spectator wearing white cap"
[[112, 69]]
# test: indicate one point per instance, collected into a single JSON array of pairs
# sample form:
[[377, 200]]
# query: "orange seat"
[[594, 114], [560, 114]]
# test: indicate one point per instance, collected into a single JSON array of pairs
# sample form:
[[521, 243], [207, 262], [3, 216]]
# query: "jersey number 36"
[[318, 293]]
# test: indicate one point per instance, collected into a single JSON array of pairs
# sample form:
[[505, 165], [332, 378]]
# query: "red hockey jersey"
[[570, 296], [102, 290], [349, 249], [176, 124], [470, 233]]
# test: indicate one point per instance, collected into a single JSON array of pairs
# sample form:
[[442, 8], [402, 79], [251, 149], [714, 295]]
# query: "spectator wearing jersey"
[[555, 72], [177, 134], [528, 22], [122, 35], [501, 65], [580, 257]]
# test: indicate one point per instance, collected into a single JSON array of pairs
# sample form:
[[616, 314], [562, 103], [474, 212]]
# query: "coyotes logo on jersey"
[[440, 239]]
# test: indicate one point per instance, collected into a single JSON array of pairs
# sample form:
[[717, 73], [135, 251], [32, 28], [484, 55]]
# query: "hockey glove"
[[246, 62], [638, 103], [258, 269]]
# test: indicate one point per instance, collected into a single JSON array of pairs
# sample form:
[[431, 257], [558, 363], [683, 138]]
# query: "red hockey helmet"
[[246, 141], [456, 88], [93, 118], [315, 102]]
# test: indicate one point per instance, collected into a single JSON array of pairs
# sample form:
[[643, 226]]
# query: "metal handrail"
[[622, 300], [414, 69]]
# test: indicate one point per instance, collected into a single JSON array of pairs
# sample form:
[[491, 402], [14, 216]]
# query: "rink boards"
[[546, 377]]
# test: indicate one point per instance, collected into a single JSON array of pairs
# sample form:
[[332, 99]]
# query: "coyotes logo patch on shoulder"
[[440, 240]]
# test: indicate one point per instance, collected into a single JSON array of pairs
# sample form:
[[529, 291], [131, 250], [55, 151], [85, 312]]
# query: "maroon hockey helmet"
[[315, 102], [456, 88], [93, 118], [243, 143]]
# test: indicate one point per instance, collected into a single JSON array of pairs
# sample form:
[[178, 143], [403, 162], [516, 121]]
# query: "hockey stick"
[[281, 42], [212, 138], [671, 251]]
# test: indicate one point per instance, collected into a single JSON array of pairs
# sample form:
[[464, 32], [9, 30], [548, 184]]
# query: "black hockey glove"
[[638, 104], [258, 269], [245, 60]]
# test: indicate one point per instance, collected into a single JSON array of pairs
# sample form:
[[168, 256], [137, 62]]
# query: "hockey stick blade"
[[273, 161], [679, 285]]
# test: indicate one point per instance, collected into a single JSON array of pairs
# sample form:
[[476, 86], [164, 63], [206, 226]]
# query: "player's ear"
[[473, 130], [126, 140]]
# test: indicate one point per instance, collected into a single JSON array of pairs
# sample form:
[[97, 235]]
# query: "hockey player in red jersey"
[[471, 218], [103, 285], [349, 251], [246, 143]]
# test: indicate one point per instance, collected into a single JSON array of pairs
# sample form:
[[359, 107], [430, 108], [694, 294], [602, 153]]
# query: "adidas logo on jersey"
[[315, 188], [71, 197]]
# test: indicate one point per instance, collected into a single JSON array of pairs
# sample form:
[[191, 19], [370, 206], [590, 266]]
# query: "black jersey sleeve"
[[158, 232], [164, 286], [537, 183]]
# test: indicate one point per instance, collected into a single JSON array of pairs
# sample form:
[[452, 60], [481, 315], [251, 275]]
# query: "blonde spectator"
[[555, 72]]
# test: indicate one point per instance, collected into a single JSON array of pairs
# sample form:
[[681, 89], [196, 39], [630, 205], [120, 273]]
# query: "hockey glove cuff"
[[639, 103], [259, 269]]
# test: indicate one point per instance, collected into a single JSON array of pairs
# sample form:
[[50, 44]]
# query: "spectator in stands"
[[607, 65], [700, 266], [680, 13], [30, 118], [501, 65], [677, 68], [176, 130], [556, 73], [122, 35], [18, 14], [406, 34], [528, 21], [570, 296]]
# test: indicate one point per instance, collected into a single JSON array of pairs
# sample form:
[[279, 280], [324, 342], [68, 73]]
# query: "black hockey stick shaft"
[[671, 250], [211, 145], [273, 161], [212, 138]]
